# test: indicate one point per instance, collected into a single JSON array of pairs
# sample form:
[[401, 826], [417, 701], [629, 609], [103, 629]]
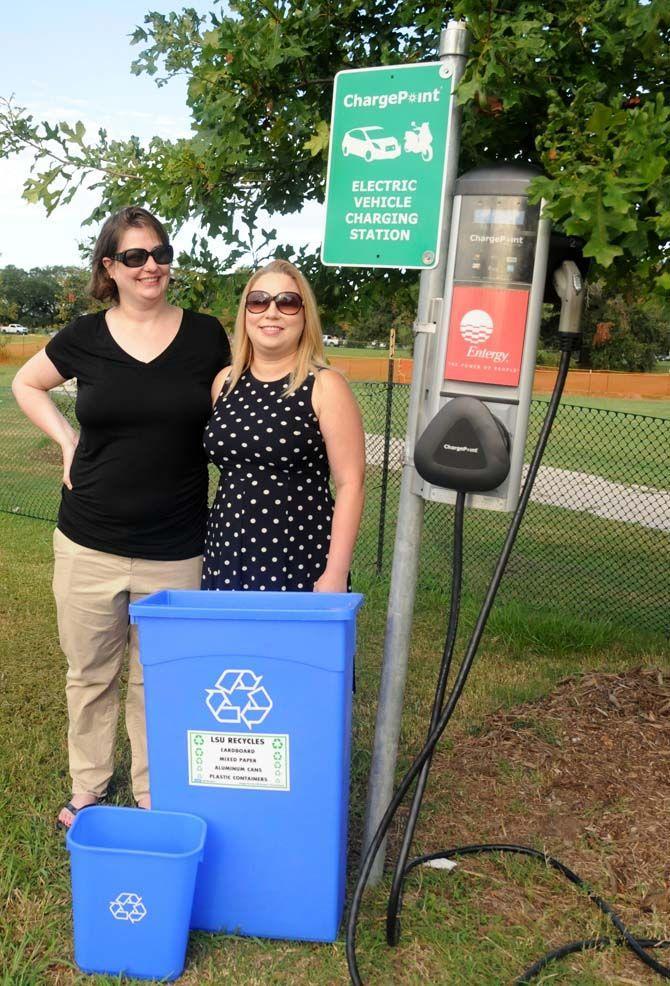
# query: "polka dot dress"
[[269, 526]]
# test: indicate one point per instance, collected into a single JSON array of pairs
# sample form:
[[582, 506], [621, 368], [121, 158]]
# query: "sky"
[[68, 61]]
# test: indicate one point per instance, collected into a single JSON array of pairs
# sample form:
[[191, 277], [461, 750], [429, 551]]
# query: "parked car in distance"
[[332, 341], [15, 329], [370, 143], [663, 358]]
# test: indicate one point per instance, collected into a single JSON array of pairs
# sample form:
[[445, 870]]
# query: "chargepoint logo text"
[[460, 448], [238, 697]]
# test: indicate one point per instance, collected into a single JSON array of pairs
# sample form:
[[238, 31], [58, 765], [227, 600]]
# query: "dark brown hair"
[[101, 285]]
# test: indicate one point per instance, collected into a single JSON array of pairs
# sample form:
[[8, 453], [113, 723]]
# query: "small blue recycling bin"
[[248, 698], [133, 877]]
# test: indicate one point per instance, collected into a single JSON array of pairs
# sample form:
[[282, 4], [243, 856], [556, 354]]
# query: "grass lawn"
[[449, 934], [7, 373], [656, 408]]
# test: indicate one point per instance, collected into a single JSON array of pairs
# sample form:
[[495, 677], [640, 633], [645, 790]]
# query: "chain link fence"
[[594, 544], [595, 540]]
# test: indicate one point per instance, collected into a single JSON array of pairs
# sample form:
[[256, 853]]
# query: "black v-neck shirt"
[[139, 475]]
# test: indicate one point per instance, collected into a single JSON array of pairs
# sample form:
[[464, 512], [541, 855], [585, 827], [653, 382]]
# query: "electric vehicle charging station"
[[482, 346], [487, 337], [470, 403], [479, 349], [465, 443]]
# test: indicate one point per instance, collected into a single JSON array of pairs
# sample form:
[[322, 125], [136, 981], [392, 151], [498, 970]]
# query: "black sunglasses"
[[288, 302], [137, 256]]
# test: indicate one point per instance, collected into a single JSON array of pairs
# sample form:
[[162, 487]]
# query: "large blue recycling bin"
[[133, 877], [248, 699]]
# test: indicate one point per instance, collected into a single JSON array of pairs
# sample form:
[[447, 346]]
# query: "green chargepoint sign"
[[387, 166]]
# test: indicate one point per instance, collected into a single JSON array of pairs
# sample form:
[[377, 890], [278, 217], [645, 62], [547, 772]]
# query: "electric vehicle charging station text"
[[487, 335], [387, 166]]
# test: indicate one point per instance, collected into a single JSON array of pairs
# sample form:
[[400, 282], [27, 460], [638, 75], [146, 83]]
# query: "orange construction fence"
[[582, 383], [19, 350]]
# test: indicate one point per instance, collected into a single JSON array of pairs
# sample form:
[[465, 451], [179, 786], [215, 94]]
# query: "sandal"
[[61, 826]]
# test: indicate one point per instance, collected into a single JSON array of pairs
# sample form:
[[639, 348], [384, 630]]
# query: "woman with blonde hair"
[[283, 424]]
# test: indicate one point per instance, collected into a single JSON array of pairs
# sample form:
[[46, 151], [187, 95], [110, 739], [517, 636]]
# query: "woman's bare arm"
[[31, 387], [342, 430]]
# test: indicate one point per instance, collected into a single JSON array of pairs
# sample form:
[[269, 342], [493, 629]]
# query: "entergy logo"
[[476, 326]]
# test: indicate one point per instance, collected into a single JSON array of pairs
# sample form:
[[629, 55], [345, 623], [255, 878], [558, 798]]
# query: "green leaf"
[[599, 119], [318, 143], [603, 253]]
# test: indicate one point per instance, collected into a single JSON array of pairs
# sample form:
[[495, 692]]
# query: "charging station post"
[[454, 43], [392, 165]]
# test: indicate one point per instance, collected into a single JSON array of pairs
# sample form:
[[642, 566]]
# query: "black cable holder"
[[440, 716]]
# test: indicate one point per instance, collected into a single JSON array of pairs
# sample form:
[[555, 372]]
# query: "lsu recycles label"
[[258, 762]]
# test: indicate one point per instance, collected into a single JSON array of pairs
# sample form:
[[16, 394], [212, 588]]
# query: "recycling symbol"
[[128, 907], [238, 696]]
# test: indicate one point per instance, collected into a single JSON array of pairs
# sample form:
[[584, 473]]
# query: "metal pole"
[[381, 534], [453, 51]]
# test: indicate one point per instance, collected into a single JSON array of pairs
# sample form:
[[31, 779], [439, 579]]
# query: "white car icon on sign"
[[370, 143]]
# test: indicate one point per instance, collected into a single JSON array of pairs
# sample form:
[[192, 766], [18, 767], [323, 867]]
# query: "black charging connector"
[[464, 448]]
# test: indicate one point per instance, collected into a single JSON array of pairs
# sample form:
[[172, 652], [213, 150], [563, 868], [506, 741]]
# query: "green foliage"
[[204, 288], [9, 310], [578, 87], [44, 296], [31, 295], [547, 357], [379, 306], [73, 298], [622, 332]]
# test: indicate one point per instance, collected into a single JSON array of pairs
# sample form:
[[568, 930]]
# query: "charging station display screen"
[[501, 217], [497, 239]]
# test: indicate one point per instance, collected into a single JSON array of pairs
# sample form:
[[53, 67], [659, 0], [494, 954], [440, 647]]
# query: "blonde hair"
[[310, 354]]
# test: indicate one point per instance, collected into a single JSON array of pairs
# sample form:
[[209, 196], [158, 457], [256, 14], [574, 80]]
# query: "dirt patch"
[[583, 774]]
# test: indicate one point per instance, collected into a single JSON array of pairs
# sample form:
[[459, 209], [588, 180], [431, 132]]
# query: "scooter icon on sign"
[[419, 140]]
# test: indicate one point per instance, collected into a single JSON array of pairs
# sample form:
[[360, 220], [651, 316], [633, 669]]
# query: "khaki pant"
[[93, 590]]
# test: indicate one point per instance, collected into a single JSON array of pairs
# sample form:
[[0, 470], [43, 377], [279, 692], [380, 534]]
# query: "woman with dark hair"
[[134, 498]]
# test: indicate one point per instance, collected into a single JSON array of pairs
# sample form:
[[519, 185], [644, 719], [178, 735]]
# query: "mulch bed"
[[584, 774]]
